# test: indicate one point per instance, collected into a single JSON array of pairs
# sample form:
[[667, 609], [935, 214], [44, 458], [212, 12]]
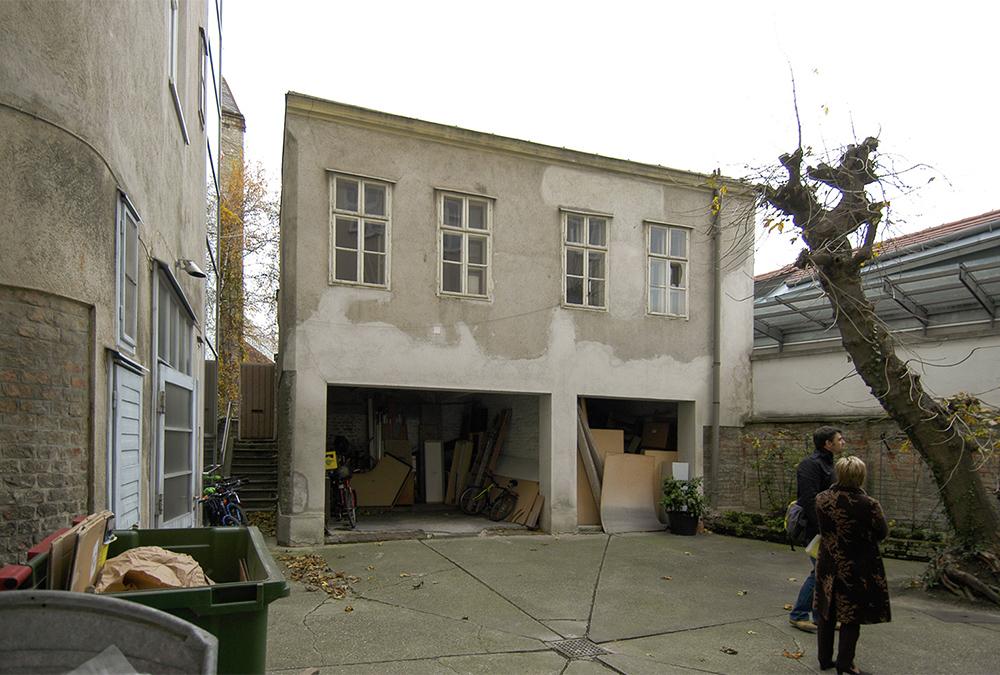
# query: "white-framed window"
[[202, 75], [465, 230], [667, 256], [174, 328], [585, 259], [360, 218], [127, 268], [173, 62]]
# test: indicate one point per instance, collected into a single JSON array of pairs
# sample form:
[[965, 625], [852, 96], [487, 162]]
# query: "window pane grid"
[[585, 244], [360, 214], [465, 245]]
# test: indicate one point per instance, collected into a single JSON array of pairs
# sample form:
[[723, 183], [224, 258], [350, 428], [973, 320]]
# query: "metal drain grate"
[[578, 648]]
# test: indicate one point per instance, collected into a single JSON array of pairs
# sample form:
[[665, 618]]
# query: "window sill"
[[464, 296], [355, 284], [658, 315], [585, 308]]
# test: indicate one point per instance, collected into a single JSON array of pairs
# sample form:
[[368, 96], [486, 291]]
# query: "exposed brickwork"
[[45, 376], [898, 479]]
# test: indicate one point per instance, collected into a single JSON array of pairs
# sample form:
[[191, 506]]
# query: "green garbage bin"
[[233, 610]]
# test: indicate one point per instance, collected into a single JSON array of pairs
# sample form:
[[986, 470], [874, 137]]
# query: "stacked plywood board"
[[627, 494], [529, 502], [383, 485]]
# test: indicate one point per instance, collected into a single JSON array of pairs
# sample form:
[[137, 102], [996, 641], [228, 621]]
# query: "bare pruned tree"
[[837, 208]]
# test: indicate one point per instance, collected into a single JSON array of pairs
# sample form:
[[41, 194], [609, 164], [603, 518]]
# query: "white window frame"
[[202, 75], [465, 232], [684, 261], [126, 240], [586, 248], [360, 217], [173, 63]]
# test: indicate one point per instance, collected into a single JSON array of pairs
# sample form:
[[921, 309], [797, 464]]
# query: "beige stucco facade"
[[86, 116], [522, 337]]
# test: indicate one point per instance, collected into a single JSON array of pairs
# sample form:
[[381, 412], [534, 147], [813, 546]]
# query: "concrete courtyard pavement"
[[655, 603]]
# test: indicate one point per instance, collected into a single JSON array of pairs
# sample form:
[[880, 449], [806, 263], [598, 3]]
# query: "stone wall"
[[45, 402], [757, 468]]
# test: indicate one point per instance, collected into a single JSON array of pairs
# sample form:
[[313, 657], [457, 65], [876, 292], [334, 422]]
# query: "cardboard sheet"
[[664, 462], [608, 441], [433, 472], [61, 558], [536, 511], [627, 499], [150, 567], [89, 540], [527, 490], [586, 509], [381, 485]]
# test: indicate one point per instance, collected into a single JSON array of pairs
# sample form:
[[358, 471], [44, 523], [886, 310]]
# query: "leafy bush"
[[683, 495]]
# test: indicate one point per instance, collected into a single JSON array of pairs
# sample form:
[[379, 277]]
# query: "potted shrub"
[[684, 503]]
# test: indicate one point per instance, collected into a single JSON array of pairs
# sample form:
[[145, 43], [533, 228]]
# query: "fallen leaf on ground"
[[403, 574], [349, 608], [741, 593], [667, 578], [788, 606], [687, 552], [751, 632], [418, 585], [371, 568], [314, 572], [792, 579], [793, 655], [729, 650]]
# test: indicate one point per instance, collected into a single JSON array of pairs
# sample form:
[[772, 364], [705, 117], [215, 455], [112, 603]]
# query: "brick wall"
[[45, 375], [757, 468]]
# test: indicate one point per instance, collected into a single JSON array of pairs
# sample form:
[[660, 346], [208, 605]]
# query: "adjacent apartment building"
[[109, 123], [426, 264]]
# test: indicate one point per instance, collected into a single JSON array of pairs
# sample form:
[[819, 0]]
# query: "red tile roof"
[[900, 244]]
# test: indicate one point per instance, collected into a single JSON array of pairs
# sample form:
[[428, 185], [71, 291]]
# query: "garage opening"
[[661, 429], [412, 455]]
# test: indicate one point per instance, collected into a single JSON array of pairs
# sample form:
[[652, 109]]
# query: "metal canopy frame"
[[903, 300]]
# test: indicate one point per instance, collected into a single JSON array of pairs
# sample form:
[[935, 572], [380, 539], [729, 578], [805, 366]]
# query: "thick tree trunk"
[[972, 510]]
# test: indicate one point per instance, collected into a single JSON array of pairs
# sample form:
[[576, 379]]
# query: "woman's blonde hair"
[[850, 472]]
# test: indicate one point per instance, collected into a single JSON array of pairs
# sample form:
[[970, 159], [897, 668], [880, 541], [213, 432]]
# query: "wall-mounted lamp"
[[191, 267]]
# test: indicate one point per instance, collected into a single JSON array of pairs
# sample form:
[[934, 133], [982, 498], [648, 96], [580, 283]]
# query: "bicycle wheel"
[[350, 504], [503, 506], [235, 513], [470, 502]]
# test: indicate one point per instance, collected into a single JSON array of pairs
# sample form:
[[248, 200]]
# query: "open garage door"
[[414, 452]]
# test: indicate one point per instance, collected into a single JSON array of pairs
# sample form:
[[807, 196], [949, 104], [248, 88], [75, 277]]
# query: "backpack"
[[795, 524]]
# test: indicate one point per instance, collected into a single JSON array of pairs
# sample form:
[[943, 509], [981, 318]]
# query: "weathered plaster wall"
[[520, 341], [813, 383], [85, 111]]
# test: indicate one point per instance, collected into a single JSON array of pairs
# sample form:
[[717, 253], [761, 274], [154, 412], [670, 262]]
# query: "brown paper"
[[147, 567]]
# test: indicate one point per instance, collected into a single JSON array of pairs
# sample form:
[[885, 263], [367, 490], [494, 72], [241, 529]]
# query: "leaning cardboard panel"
[[608, 441], [627, 499], [89, 541], [381, 485], [586, 509]]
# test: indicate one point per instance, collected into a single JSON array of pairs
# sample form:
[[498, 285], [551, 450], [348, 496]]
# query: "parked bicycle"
[[221, 502], [496, 500], [343, 498]]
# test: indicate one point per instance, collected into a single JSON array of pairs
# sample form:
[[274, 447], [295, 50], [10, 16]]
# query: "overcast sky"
[[657, 82]]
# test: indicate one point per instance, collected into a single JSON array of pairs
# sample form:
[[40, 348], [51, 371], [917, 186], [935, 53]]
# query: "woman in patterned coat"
[[850, 577]]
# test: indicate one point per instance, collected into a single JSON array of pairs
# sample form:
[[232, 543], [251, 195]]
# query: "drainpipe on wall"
[[717, 195]]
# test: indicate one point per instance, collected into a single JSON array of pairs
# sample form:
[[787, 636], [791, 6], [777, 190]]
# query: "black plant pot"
[[682, 522]]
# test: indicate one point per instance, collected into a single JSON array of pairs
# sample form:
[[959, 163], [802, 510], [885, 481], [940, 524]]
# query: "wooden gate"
[[257, 401]]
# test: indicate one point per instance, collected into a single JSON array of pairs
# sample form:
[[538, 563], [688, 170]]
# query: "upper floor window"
[[668, 269], [585, 245], [174, 21], [360, 211], [465, 225], [127, 264]]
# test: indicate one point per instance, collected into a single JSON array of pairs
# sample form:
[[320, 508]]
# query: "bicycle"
[[343, 498], [496, 500], [221, 502]]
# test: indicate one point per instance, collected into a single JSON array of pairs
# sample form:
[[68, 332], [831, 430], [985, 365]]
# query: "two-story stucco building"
[[425, 265], [109, 123]]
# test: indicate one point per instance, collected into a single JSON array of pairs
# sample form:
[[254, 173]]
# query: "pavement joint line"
[[672, 632], [597, 582], [488, 587], [480, 626]]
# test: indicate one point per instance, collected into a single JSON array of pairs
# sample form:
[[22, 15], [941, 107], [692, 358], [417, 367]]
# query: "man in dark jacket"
[[815, 474]]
